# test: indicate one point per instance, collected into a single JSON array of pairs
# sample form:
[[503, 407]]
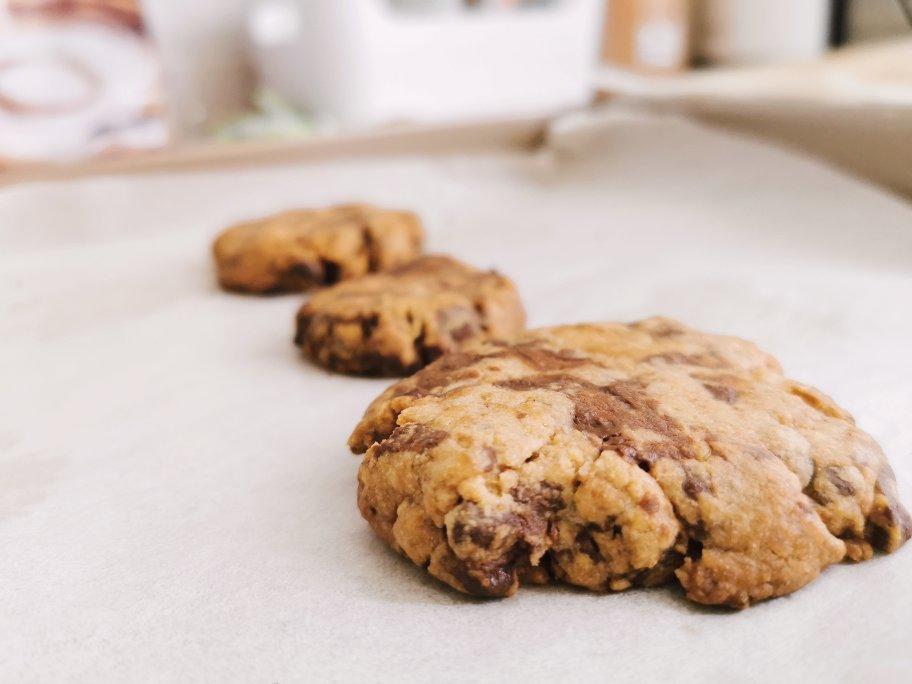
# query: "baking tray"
[[176, 498]]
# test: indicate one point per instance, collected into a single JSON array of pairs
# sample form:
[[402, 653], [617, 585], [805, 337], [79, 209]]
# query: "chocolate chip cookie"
[[396, 322], [610, 456], [297, 250]]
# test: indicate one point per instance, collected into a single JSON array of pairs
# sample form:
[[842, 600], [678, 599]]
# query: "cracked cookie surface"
[[296, 250], [396, 322], [609, 456]]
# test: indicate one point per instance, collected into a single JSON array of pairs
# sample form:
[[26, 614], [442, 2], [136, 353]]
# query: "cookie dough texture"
[[396, 322], [297, 250], [609, 456]]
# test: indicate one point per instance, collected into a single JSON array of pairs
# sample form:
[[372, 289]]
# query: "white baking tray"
[[176, 498]]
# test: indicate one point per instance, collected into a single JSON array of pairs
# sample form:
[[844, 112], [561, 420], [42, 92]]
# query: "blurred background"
[[89, 80]]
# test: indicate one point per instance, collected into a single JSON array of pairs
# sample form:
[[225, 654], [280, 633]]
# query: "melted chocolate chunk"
[[534, 382], [546, 360], [481, 535], [843, 486], [722, 392], [666, 330], [332, 272], [410, 437], [494, 580], [368, 324], [694, 549], [375, 364], [649, 504], [463, 332], [606, 412], [661, 572], [693, 486], [440, 373], [545, 497], [304, 273], [586, 543]]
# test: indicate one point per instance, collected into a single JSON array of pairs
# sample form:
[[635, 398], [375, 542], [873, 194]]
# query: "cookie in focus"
[[393, 323], [609, 456], [294, 251]]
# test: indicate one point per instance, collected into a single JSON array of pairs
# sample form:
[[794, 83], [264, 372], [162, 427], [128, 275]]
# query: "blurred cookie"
[[609, 456], [297, 250], [394, 323]]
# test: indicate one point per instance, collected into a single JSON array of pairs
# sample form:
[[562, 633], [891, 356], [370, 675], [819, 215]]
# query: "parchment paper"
[[176, 498]]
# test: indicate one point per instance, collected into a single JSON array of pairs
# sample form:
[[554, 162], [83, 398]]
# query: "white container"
[[360, 62], [751, 32]]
